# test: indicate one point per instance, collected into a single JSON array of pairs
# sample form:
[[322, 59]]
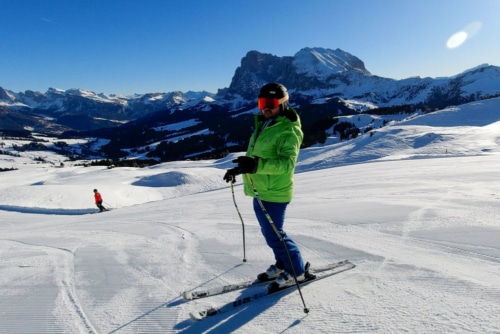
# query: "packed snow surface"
[[415, 206]]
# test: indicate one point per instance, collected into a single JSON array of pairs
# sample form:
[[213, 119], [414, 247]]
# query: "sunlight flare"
[[457, 39]]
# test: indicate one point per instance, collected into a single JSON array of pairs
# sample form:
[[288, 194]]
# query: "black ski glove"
[[247, 165], [230, 175]]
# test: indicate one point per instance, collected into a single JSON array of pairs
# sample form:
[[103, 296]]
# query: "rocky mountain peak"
[[311, 65], [321, 62]]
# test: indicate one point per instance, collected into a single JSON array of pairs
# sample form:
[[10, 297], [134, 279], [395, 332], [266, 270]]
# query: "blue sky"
[[127, 47]]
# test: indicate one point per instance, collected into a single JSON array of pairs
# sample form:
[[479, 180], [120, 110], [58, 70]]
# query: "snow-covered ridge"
[[320, 63], [56, 98], [469, 129]]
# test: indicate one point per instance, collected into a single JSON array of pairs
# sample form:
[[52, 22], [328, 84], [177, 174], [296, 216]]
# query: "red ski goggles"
[[268, 102]]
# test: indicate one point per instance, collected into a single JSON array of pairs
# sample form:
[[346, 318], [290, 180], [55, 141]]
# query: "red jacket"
[[98, 197]]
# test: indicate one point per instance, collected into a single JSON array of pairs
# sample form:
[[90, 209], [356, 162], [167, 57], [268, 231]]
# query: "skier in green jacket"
[[269, 165]]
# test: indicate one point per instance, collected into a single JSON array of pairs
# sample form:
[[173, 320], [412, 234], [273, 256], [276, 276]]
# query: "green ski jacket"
[[276, 143]]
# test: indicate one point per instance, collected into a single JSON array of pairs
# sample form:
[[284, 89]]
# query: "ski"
[[316, 275], [190, 295]]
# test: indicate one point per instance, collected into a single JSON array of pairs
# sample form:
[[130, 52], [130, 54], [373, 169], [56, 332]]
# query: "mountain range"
[[325, 86]]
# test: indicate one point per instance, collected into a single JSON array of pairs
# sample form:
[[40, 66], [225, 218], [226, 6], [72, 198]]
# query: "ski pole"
[[242, 224], [270, 220]]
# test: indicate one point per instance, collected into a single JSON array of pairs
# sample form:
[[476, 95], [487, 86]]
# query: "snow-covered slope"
[[470, 129], [420, 224]]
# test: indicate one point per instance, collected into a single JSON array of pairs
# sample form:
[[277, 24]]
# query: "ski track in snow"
[[68, 313]]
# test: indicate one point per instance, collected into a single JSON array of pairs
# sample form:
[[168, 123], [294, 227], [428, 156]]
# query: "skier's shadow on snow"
[[223, 323], [177, 301], [231, 321]]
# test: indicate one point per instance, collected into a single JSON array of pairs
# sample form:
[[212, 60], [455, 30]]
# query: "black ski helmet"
[[95, 190], [276, 90]]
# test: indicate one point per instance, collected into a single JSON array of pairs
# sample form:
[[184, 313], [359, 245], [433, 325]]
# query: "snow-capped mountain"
[[317, 73], [311, 72], [323, 84]]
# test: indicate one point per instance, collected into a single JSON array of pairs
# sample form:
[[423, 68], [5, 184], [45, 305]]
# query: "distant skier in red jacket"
[[98, 200]]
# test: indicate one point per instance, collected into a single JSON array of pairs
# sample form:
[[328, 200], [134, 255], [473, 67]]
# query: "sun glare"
[[459, 38], [456, 40]]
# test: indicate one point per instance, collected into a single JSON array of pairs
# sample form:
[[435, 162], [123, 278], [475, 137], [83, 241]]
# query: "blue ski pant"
[[277, 213]]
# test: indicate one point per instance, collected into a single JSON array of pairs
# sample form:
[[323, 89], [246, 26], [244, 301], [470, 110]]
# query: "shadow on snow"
[[46, 211]]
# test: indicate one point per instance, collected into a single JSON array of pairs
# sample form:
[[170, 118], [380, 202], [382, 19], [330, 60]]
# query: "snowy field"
[[415, 206]]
